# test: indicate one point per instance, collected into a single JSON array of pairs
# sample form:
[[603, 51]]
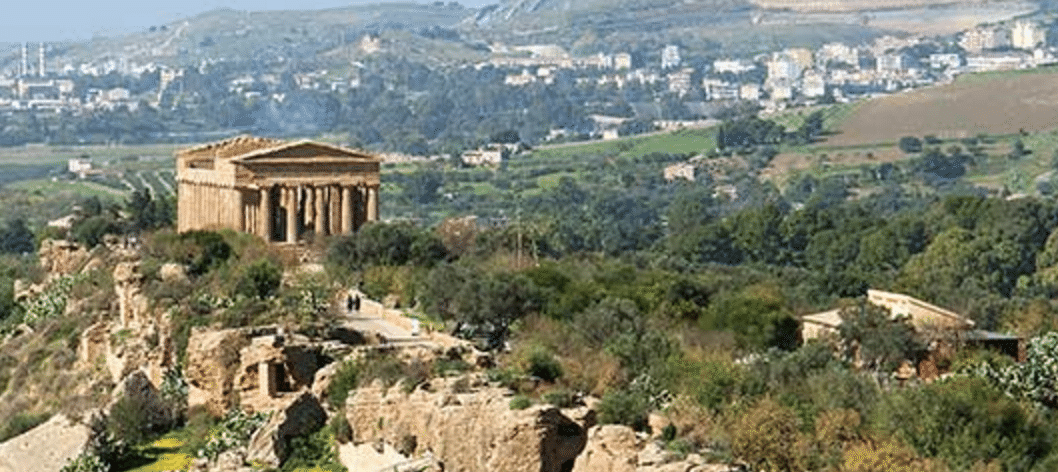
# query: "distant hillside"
[[295, 34], [861, 5], [530, 16], [999, 103]]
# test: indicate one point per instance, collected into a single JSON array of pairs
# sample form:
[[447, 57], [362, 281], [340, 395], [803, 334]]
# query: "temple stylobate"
[[281, 191]]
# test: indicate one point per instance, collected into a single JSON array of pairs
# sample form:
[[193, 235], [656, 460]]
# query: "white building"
[[1026, 35], [749, 92], [483, 157], [890, 63], [719, 90], [782, 67], [734, 66], [839, 53], [622, 60], [997, 61], [680, 81], [670, 57], [79, 166], [944, 61], [977, 40], [813, 84]]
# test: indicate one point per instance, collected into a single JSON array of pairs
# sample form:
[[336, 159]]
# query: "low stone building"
[[938, 325], [280, 191]]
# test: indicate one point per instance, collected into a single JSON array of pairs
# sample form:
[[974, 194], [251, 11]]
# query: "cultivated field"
[[859, 5], [997, 103]]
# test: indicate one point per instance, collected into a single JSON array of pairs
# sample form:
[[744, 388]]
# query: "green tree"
[[965, 421], [871, 334], [16, 238], [910, 144], [260, 279]]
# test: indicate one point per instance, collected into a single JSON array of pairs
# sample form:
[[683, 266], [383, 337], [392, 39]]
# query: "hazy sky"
[[56, 20]]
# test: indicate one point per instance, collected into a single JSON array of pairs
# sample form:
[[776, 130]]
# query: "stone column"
[[347, 209], [320, 228], [372, 204], [292, 214], [266, 379], [265, 215], [240, 210], [333, 209]]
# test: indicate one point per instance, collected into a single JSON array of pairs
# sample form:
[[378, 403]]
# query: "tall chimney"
[[25, 60], [40, 69]]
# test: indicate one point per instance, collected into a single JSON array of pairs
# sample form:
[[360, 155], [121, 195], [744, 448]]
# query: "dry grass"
[[594, 371], [853, 5], [1001, 103]]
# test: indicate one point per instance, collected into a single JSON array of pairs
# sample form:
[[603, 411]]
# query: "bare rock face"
[[61, 257], [46, 448], [270, 445], [468, 432], [610, 448], [212, 361], [616, 448]]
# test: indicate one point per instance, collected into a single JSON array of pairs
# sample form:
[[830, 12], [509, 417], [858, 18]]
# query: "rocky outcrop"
[[61, 257], [272, 365], [172, 272], [270, 445], [212, 362], [466, 429], [46, 448], [128, 286], [616, 448]]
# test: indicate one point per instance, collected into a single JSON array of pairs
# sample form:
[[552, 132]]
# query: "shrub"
[[543, 365], [340, 427], [880, 456], [765, 436], [259, 280], [345, 379], [128, 420], [965, 421], [234, 431], [313, 451], [20, 423], [446, 367], [910, 144], [560, 397], [625, 406], [86, 462], [520, 402]]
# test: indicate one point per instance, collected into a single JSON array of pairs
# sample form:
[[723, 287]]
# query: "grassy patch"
[[78, 187], [162, 455]]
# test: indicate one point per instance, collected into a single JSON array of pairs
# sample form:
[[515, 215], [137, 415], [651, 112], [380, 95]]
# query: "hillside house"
[[938, 324]]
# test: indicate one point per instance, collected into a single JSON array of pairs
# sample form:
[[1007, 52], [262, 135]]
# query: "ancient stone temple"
[[281, 191]]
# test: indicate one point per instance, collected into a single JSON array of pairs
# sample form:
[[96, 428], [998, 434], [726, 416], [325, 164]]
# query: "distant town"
[[698, 90]]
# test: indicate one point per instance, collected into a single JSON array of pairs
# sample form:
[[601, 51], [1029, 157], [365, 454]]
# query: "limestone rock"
[[619, 449], [271, 365], [610, 448], [270, 444], [46, 448], [468, 432], [212, 359], [322, 381], [172, 272], [61, 257]]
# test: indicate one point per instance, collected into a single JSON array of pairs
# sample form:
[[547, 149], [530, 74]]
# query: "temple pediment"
[[302, 152]]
